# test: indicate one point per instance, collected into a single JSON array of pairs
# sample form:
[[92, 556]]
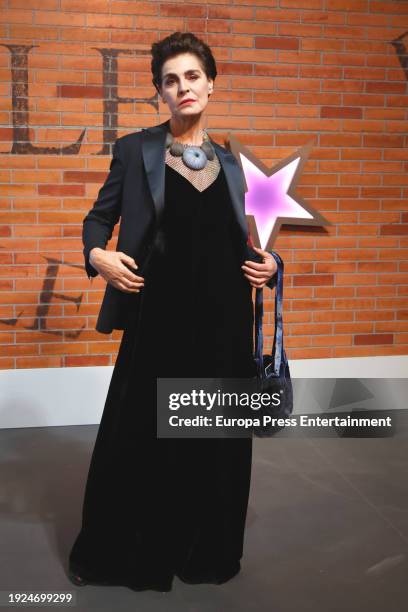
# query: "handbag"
[[273, 374]]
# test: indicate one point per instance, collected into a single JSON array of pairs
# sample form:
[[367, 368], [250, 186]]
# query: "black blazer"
[[134, 192]]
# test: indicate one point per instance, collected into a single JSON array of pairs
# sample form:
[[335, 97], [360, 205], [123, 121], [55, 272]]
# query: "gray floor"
[[327, 526]]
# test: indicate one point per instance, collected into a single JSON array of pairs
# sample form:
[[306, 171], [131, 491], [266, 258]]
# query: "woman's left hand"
[[258, 274]]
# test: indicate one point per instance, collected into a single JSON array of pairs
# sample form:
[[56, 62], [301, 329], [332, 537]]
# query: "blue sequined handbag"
[[273, 375]]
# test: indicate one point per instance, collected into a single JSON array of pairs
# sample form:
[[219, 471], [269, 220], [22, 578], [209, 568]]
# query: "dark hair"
[[176, 43]]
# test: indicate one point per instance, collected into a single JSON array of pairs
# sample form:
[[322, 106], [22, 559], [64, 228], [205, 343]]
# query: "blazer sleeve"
[[251, 254], [98, 224]]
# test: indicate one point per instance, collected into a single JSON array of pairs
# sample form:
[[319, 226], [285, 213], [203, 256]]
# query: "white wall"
[[76, 396]]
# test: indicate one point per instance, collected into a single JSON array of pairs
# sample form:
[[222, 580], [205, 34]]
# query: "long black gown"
[[159, 507]]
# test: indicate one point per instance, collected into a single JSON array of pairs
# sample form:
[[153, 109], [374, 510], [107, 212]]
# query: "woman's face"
[[183, 77]]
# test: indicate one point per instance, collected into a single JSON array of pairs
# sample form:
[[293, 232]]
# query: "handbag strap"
[[277, 348]]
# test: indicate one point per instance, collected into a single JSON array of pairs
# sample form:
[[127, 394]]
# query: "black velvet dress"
[[159, 507]]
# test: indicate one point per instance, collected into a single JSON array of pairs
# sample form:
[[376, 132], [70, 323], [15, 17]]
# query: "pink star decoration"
[[270, 198]]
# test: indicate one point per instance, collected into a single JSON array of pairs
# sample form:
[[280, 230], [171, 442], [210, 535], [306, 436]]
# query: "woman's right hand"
[[111, 266]]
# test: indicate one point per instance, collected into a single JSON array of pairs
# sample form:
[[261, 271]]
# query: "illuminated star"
[[270, 198]]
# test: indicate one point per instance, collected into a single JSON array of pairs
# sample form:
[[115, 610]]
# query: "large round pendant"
[[194, 158]]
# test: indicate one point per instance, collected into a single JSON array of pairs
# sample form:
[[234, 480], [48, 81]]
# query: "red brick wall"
[[290, 72]]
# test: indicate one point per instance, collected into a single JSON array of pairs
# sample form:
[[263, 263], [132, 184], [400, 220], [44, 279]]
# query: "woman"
[[159, 507]]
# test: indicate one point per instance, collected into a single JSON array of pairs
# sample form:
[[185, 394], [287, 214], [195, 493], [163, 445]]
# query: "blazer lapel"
[[153, 152], [235, 184]]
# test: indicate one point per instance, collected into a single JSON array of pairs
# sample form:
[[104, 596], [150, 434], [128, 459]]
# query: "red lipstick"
[[186, 100]]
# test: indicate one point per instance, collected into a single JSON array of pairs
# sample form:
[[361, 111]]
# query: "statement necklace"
[[193, 157]]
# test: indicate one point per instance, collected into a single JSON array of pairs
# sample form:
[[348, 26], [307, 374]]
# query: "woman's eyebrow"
[[186, 72]]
